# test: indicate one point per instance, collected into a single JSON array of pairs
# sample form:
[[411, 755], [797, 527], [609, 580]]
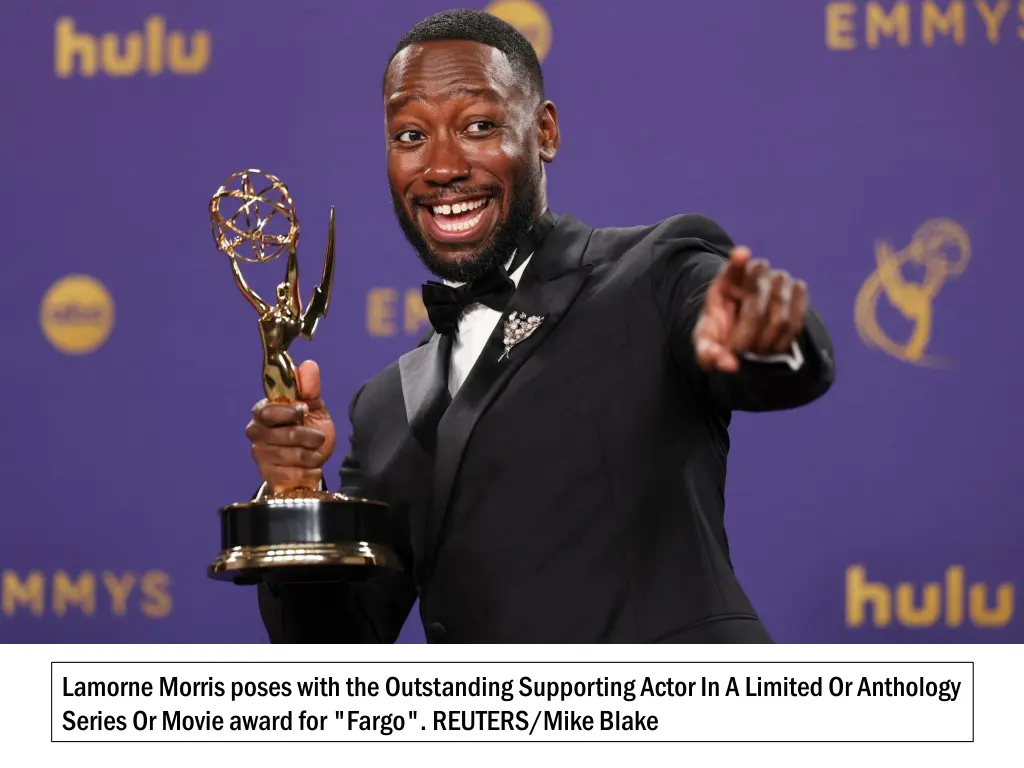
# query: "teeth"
[[460, 226], [469, 205]]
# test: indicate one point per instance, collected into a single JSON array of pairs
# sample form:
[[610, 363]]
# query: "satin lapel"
[[424, 372], [552, 280]]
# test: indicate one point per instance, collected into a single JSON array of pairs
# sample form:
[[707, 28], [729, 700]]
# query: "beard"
[[500, 244]]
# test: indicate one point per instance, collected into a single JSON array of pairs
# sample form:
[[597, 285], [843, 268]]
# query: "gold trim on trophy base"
[[326, 555], [303, 497]]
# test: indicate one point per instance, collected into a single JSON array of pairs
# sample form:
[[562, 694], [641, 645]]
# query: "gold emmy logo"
[[529, 18], [951, 601], [390, 312], [941, 250], [77, 314], [849, 24], [153, 50], [89, 593]]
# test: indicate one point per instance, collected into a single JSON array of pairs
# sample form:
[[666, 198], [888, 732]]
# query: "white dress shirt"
[[478, 320], [475, 326]]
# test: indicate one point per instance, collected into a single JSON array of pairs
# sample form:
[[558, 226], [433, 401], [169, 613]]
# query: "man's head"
[[467, 127]]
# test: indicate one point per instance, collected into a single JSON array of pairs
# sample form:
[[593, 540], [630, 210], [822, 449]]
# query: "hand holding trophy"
[[296, 534]]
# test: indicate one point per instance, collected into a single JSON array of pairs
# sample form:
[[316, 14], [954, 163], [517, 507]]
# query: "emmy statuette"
[[298, 534]]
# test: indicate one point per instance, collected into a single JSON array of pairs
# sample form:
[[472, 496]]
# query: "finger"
[[286, 437], [707, 352], [753, 275], [710, 335], [282, 414], [734, 272], [309, 384], [727, 362], [295, 458], [776, 315], [298, 437], [713, 356], [708, 328], [753, 306], [749, 282], [797, 318]]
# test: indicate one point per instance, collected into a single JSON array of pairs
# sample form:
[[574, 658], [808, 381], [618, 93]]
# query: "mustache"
[[480, 190]]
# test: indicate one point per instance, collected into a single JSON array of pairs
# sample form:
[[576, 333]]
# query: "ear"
[[547, 126]]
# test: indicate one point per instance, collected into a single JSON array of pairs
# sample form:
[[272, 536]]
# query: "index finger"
[[281, 414], [736, 269]]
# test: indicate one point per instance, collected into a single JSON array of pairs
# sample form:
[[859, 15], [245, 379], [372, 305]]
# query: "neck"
[[542, 199]]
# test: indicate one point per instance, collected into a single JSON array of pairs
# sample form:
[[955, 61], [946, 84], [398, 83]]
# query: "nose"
[[446, 161]]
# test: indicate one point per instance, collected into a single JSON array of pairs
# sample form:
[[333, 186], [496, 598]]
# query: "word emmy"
[[847, 23], [382, 312], [153, 48], [149, 593], [860, 593]]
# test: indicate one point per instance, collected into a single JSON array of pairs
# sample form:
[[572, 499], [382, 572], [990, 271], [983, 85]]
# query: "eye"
[[480, 126], [409, 137]]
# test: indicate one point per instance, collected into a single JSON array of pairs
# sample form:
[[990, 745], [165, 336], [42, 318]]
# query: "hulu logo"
[[924, 605], [154, 51]]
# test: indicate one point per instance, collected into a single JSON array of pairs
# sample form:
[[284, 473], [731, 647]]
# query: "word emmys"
[[848, 23], [88, 592]]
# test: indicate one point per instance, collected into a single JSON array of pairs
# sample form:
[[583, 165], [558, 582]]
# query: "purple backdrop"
[[870, 148]]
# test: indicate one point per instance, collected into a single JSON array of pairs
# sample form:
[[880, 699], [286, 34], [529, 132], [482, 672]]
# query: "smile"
[[460, 221]]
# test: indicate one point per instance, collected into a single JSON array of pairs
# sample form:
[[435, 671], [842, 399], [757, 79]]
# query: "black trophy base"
[[301, 538]]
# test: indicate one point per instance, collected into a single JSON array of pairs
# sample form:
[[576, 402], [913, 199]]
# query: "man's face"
[[466, 137]]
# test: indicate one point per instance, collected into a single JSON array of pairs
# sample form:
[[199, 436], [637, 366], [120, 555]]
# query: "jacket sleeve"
[[690, 255], [352, 610]]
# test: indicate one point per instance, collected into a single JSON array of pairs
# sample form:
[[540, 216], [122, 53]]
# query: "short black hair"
[[477, 27]]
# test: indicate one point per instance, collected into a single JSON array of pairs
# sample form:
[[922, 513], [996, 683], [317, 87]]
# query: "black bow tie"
[[445, 303]]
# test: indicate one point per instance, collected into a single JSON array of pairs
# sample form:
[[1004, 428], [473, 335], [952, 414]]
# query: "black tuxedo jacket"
[[572, 492]]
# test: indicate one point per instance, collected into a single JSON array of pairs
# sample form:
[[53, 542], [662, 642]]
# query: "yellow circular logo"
[[529, 18], [940, 249], [77, 314]]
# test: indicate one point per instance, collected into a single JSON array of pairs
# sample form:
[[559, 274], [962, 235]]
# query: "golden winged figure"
[[282, 322]]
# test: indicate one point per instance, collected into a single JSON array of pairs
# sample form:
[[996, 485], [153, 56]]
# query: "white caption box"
[[513, 701]]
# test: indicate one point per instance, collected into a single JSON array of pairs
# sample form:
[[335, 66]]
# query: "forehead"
[[444, 69]]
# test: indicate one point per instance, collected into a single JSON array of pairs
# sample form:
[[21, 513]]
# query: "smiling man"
[[554, 453]]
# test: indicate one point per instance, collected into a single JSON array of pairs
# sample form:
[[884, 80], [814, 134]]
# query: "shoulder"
[[683, 232], [694, 228], [688, 248]]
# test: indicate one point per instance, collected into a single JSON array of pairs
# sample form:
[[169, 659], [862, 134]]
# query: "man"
[[554, 454]]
